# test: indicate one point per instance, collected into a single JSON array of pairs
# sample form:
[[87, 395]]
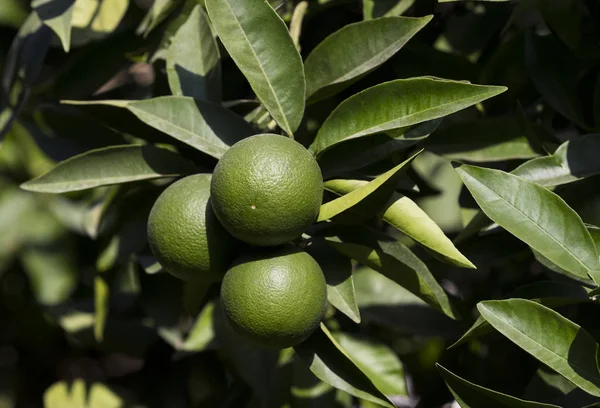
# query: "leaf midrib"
[[532, 221], [542, 345], [284, 117]]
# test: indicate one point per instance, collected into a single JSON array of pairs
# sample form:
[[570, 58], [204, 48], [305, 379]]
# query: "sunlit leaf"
[[262, 48], [395, 104], [354, 51]]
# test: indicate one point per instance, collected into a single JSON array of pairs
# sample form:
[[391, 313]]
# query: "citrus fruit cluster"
[[265, 191]]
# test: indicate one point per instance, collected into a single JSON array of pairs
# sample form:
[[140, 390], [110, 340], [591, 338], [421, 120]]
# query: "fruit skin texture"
[[184, 234], [274, 297], [267, 190]]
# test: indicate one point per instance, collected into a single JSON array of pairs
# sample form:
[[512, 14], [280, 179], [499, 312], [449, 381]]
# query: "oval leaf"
[[203, 125], [557, 342], [536, 216], [470, 395], [355, 50], [395, 104], [547, 293], [262, 48], [347, 201], [572, 161], [332, 365], [193, 60], [111, 165]]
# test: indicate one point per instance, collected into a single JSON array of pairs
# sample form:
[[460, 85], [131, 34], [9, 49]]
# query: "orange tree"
[[419, 227]]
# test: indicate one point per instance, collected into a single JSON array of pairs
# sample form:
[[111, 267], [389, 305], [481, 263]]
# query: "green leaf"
[[347, 201], [399, 264], [110, 165], [203, 125], [58, 15], [385, 8], [546, 335], [405, 215], [573, 160], [338, 274], [391, 306], [547, 293], [377, 361], [395, 104], [482, 140], [193, 59], [262, 48], [354, 51], [470, 395], [536, 216], [332, 365]]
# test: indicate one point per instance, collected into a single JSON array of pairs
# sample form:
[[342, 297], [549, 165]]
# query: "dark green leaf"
[[557, 342], [354, 51], [547, 293], [536, 216], [111, 165], [356, 154], [399, 264], [332, 365], [396, 104], [203, 125], [193, 59], [470, 395], [261, 46]]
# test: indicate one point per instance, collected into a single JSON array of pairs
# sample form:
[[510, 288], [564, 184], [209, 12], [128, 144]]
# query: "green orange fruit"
[[267, 190], [274, 297], [184, 234]]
